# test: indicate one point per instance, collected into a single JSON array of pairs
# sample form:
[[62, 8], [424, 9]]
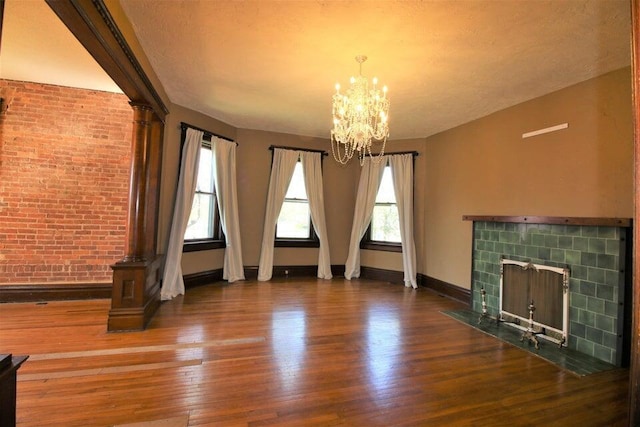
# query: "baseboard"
[[444, 288], [202, 278], [54, 292], [251, 272], [381, 274], [295, 271]]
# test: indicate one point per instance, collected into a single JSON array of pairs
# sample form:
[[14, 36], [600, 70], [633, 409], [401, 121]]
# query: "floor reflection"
[[192, 334], [288, 331], [383, 346]]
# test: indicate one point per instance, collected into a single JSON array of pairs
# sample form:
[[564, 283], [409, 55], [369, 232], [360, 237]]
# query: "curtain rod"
[[184, 126], [414, 153], [324, 153]]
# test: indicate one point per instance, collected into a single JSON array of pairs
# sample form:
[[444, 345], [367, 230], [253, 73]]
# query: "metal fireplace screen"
[[525, 285]]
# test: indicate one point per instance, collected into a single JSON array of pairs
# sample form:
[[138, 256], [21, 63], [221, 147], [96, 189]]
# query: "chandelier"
[[360, 117]]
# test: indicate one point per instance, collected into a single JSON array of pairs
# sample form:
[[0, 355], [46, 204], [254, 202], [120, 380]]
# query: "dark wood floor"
[[296, 353]]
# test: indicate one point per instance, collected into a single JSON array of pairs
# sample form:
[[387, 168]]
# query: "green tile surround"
[[595, 257]]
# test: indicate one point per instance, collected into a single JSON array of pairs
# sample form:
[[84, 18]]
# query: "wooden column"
[[137, 183], [634, 374], [136, 281], [152, 182]]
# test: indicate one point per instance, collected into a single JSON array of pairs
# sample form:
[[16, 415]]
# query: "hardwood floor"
[[291, 353]]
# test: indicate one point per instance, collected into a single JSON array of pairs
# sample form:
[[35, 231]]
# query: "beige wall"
[[485, 168]]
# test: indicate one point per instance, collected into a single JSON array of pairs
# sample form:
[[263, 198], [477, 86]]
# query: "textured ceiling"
[[273, 65], [37, 47]]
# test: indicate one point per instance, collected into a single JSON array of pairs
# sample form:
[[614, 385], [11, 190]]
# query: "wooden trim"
[[372, 245], [202, 278], [381, 274], [337, 270], [1, 21], [203, 245], [295, 271], [634, 362], [604, 222], [296, 243], [92, 24], [445, 289], [251, 272], [54, 292]]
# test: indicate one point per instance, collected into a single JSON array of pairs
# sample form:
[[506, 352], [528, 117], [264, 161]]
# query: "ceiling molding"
[[92, 24]]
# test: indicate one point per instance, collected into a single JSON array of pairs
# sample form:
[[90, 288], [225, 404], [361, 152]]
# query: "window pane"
[[386, 193], [205, 171], [296, 187], [293, 221], [200, 220], [385, 224]]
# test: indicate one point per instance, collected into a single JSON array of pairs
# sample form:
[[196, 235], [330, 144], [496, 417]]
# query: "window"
[[384, 230], [204, 230], [294, 226]]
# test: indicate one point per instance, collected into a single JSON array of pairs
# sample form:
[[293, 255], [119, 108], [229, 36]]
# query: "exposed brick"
[[64, 173]]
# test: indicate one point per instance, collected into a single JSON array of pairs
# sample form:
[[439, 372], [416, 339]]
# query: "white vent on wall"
[[545, 130]]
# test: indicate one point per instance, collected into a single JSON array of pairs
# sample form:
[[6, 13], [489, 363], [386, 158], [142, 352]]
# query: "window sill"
[[296, 243], [203, 245], [381, 246]]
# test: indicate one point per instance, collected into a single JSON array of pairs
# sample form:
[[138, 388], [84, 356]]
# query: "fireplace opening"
[[535, 299]]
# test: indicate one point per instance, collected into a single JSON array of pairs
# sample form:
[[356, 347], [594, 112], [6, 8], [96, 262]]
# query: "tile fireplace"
[[595, 252]]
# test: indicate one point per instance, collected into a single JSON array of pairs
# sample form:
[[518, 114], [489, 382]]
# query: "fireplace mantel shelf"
[[603, 222]]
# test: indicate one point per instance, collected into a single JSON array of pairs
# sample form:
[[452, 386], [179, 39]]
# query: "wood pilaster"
[[634, 375], [135, 250], [136, 281], [154, 161]]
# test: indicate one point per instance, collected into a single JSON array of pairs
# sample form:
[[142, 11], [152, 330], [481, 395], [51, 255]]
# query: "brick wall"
[[64, 174]]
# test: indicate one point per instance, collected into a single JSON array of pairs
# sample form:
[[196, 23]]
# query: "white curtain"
[[402, 171], [284, 162], [312, 168], [370, 178], [224, 153], [172, 282]]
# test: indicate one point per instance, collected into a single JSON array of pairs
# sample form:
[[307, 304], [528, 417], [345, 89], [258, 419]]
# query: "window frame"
[[298, 242], [218, 240]]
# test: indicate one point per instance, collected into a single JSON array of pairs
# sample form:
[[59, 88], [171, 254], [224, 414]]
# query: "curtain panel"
[[172, 281], [284, 162], [224, 153], [370, 177], [312, 168], [402, 171]]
